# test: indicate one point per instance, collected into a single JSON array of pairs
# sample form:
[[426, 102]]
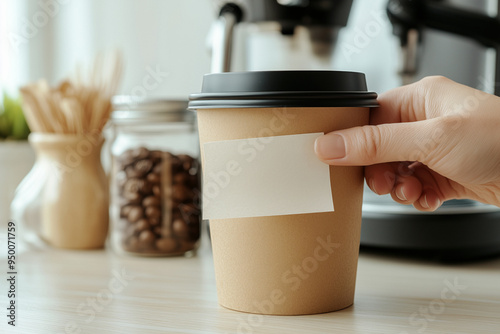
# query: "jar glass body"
[[155, 187]]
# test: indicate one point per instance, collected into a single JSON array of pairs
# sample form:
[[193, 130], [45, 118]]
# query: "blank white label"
[[265, 176]]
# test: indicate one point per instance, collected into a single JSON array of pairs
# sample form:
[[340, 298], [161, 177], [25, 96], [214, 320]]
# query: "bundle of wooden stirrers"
[[78, 105]]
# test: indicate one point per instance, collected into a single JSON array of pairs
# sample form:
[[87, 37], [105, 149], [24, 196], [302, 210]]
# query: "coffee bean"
[[153, 212], [135, 214], [145, 187], [146, 238], [156, 190], [153, 178], [133, 198], [181, 178], [143, 166], [141, 225], [124, 210], [167, 245], [180, 228], [131, 186], [151, 201], [154, 221]]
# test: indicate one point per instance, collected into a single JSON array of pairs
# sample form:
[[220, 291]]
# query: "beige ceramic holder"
[[74, 202], [292, 264]]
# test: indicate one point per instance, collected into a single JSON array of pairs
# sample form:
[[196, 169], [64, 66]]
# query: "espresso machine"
[[455, 38], [305, 33]]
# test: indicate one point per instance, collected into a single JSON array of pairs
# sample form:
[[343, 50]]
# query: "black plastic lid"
[[283, 89]]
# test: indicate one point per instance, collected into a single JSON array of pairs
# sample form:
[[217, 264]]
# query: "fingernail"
[[424, 202], [430, 201], [400, 194], [372, 187], [330, 146]]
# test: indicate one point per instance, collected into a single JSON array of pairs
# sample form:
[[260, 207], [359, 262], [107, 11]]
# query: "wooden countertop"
[[102, 292]]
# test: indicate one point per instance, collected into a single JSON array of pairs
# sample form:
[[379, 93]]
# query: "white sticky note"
[[267, 176]]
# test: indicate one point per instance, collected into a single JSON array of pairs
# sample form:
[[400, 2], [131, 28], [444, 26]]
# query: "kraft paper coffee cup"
[[289, 264]]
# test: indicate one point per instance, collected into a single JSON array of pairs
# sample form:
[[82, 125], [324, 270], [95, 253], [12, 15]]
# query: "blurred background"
[[47, 39], [154, 34], [166, 48]]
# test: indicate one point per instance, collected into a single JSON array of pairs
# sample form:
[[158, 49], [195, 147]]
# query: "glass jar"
[[155, 177]]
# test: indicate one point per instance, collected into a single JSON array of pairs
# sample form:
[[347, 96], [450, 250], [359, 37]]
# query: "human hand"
[[428, 142]]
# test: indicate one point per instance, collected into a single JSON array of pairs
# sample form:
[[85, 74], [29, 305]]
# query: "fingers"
[[395, 179], [381, 178], [432, 196], [407, 190], [405, 185], [428, 201]]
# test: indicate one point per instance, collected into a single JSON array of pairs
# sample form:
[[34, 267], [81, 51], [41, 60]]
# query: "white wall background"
[[165, 34], [47, 38]]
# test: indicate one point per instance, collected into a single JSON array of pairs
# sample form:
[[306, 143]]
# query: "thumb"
[[373, 144]]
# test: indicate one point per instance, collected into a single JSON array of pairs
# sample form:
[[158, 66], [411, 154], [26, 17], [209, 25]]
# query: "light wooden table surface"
[[79, 292]]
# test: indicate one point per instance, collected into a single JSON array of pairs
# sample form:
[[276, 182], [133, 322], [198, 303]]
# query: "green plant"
[[12, 122]]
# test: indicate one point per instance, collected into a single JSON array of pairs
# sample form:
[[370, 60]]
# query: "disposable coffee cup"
[[280, 249]]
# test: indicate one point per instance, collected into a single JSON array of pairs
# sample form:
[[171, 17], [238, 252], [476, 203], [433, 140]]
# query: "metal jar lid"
[[261, 89], [130, 109]]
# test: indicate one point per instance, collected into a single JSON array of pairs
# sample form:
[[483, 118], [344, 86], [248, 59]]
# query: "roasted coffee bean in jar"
[[155, 181]]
